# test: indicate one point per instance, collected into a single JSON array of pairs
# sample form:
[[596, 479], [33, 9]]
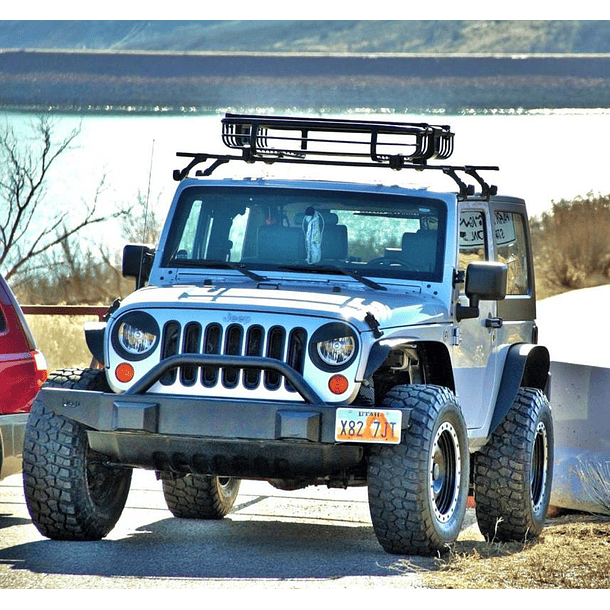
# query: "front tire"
[[514, 471], [418, 489], [199, 497], [70, 492]]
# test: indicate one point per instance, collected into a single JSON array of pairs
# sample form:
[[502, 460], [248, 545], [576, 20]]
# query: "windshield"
[[320, 231]]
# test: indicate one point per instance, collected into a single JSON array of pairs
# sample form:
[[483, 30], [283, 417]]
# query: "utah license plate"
[[368, 425]]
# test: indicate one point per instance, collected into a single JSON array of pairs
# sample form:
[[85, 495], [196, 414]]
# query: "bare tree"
[[143, 225], [28, 227]]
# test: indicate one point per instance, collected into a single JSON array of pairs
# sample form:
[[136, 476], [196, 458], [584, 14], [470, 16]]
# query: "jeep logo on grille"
[[232, 318]]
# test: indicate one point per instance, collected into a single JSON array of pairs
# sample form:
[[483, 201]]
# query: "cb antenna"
[[145, 227]]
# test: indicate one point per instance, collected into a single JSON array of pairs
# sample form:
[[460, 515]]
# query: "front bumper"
[[216, 437], [221, 437]]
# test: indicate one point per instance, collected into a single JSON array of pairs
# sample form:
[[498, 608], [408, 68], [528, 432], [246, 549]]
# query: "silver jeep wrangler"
[[310, 332]]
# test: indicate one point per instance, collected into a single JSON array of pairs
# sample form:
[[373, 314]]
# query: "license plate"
[[368, 426]]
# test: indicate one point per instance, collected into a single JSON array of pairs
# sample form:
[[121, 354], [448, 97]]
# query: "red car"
[[23, 369]]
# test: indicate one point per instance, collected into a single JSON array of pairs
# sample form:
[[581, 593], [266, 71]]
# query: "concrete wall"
[[580, 399]]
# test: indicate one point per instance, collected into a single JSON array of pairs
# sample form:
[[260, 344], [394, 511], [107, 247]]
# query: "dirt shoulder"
[[573, 552]]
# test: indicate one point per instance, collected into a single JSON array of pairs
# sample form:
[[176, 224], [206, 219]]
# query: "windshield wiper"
[[215, 263], [336, 269]]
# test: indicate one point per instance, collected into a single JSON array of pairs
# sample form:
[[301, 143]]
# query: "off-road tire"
[[514, 471], [418, 489], [199, 497], [71, 493]]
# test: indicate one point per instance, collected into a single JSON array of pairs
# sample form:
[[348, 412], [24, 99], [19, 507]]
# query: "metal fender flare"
[[526, 365]]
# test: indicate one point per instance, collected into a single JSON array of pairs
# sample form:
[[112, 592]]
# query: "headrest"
[[330, 218]]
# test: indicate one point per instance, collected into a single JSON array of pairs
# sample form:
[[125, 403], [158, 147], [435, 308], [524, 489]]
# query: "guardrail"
[[66, 310]]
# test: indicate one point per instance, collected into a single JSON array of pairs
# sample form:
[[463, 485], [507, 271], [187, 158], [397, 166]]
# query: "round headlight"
[[338, 351], [333, 346], [135, 335], [135, 340]]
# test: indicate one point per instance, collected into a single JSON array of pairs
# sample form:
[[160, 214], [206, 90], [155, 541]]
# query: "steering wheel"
[[383, 261]]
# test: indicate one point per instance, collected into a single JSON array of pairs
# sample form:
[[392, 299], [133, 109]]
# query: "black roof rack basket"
[[393, 143]]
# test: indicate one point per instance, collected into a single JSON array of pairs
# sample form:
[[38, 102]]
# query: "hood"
[[407, 306]]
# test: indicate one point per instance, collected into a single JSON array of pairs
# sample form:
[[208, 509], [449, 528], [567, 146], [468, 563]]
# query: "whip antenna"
[[145, 227]]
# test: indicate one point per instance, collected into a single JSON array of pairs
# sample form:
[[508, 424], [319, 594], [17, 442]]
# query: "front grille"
[[277, 342]]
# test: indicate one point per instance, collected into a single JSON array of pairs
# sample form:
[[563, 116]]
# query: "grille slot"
[[191, 344], [255, 338], [212, 343], [275, 348], [295, 357], [233, 340], [169, 347]]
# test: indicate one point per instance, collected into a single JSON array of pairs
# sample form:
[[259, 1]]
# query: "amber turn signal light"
[[338, 384], [124, 372]]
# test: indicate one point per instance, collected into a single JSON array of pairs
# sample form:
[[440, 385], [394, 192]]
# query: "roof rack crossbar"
[[486, 189], [465, 190], [250, 135]]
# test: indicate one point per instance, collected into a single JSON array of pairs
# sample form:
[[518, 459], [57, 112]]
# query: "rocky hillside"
[[308, 36]]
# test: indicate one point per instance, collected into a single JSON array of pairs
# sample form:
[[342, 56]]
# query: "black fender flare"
[[433, 350], [526, 365], [94, 337]]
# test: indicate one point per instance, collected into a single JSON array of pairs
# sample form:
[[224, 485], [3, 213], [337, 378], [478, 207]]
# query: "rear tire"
[[70, 492], [418, 489], [199, 497], [514, 471]]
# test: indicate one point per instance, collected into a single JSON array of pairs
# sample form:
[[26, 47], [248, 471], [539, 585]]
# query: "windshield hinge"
[[456, 336], [371, 320], [459, 277]]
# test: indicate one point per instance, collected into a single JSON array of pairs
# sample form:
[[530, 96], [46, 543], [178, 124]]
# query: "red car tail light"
[[42, 371]]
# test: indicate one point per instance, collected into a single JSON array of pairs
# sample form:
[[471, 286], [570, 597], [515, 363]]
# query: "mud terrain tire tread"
[[503, 472], [199, 497], [69, 495], [400, 498]]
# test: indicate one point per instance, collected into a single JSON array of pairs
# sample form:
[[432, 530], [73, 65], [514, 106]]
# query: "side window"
[[511, 249], [473, 239]]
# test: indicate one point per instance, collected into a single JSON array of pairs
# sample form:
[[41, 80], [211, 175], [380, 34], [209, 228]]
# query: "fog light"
[[338, 384], [124, 372]]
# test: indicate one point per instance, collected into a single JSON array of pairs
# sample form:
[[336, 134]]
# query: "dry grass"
[[573, 552], [61, 339]]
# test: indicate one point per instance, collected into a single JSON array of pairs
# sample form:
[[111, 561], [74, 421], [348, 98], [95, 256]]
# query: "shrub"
[[572, 245]]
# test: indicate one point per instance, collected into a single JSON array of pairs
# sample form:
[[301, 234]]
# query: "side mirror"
[[485, 281], [137, 262]]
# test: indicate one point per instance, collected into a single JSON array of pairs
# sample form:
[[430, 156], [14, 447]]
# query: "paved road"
[[308, 539]]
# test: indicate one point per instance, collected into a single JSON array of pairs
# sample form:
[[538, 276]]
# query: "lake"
[[543, 155]]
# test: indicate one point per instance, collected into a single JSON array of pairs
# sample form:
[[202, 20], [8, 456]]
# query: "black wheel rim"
[[101, 482], [539, 466], [445, 472]]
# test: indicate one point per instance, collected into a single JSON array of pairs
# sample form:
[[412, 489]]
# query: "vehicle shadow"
[[253, 549], [7, 520]]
